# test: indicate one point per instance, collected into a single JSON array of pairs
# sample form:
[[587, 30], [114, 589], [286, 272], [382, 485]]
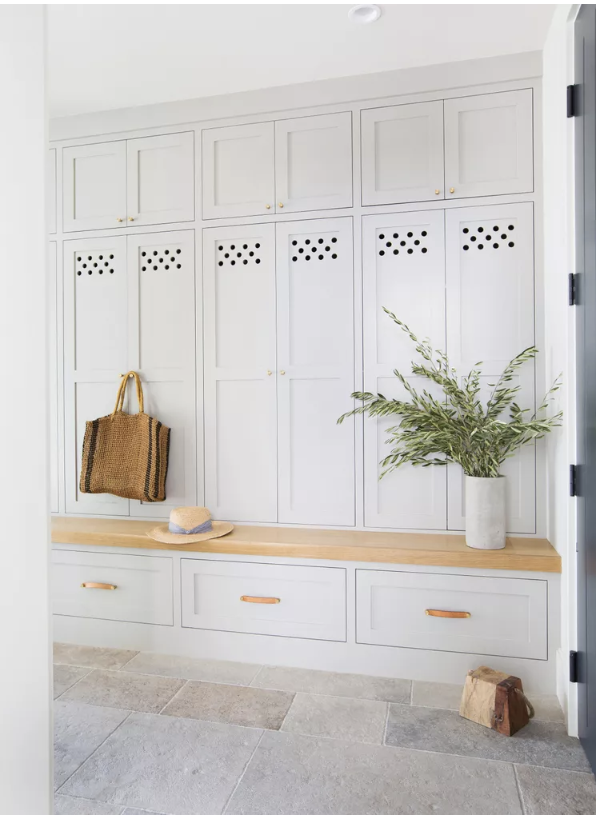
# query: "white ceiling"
[[103, 57]]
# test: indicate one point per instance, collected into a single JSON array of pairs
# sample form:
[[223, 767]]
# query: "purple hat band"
[[206, 527]]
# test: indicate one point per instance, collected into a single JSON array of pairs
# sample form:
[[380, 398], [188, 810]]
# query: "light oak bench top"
[[440, 550]]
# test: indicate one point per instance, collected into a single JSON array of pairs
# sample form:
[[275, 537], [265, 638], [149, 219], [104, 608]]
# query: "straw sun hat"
[[188, 525]]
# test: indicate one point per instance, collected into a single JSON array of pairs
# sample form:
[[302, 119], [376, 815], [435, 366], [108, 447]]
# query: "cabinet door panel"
[[51, 191], [161, 324], [238, 171], [53, 374], [488, 144], [95, 353], [313, 162], [160, 179], [402, 153], [490, 317], [240, 391], [94, 186], [315, 331], [404, 271]]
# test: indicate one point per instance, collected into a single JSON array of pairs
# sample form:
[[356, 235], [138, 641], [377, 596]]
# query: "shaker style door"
[[313, 162], [94, 186], [161, 342], [238, 171], [95, 354], [488, 144], [51, 187], [160, 179], [402, 153], [404, 271], [53, 375], [239, 372], [315, 371], [490, 318]]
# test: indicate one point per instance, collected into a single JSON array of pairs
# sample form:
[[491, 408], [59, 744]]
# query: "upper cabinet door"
[[490, 317], [160, 179], [404, 271], [488, 144], [94, 186], [315, 371], [313, 162], [402, 153], [51, 191], [238, 171]]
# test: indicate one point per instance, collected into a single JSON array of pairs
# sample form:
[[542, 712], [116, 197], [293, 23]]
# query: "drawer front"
[[264, 599], [506, 616], [143, 584]]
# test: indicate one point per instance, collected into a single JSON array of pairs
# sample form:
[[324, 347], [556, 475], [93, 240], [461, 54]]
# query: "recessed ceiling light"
[[364, 14]]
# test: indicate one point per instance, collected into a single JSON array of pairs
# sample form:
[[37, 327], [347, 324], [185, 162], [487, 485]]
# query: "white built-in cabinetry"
[[291, 165], [279, 368], [129, 304], [136, 182], [288, 319], [456, 148]]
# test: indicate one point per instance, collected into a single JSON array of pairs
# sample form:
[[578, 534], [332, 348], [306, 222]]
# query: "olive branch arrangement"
[[460, 428]]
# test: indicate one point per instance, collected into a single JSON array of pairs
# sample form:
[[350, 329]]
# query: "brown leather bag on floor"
[[126, 454]]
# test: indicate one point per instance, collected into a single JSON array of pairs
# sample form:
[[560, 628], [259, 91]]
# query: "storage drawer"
[[264, 599], [506, 616], [143, 584]]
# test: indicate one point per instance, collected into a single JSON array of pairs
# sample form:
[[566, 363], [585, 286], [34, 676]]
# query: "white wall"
[[25, 679], [560, 326]]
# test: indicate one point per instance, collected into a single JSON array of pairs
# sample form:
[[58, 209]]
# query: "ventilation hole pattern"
[[402, 241], [314, 248], [155, 258], [238, 253], [488, 236], [94, 263]]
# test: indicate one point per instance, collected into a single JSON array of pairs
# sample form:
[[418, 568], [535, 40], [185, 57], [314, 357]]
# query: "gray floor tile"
[[436, 695], [167, 764], [546, 791], [295, 774], [78, 730], [240, 705], [91, 656], [431, 729], [138, 812], [66, 676], [67, 805], [547, 707], [139, 692], [337, 717], [211, 671], [334, 683]]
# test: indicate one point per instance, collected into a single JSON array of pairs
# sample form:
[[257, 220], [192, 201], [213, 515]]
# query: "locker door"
[[315, 371], [95, 353], [239, 373], [404, 271], [161, 320], [490, 318], [94, 186]]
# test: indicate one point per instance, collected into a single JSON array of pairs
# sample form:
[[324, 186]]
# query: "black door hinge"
[[573, 677], [572, 289], [572, 108], [572, 480]]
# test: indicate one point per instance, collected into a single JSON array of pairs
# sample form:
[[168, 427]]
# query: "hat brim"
[[162, 534]]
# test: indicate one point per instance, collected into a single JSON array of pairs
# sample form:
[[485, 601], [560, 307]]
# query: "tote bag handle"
[[122, 392]]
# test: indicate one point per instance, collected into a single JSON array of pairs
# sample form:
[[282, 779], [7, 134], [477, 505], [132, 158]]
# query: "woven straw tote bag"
[[126, 454]]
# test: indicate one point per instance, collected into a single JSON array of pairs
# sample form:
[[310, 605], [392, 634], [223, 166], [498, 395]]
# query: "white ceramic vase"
[[485, 512]]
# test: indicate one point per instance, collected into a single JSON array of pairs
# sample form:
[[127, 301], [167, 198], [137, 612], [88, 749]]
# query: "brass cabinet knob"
[[269, 373], [120, 220], [282, 373], [267, 206], [437, 192], [452, 189], [130, 218], [280, 205]]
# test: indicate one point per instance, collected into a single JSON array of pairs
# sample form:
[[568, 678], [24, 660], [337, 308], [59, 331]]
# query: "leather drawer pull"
[[256, 599], [444, 613], [95, 585]]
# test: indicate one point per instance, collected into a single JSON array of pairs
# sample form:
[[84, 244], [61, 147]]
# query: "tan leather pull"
[[445, 613]]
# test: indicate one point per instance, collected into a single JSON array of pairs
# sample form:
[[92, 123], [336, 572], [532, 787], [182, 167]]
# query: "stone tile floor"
[[144, 733]]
